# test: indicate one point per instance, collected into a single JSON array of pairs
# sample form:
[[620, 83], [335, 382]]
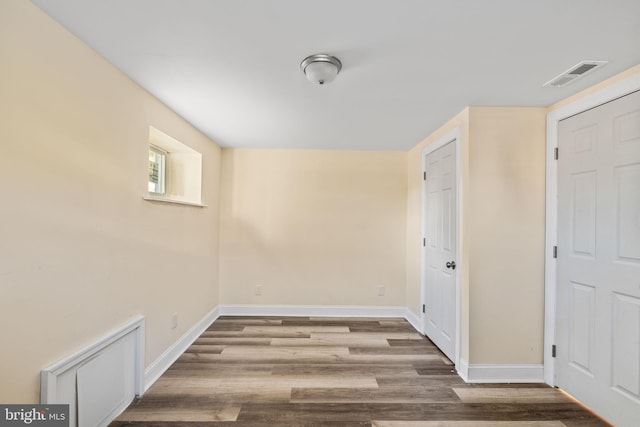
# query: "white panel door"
[[598, 301], [440, 248]]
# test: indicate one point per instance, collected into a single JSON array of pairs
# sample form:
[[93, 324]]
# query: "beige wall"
[[80, 251], [506, 217], [313, 227], [502, 232]]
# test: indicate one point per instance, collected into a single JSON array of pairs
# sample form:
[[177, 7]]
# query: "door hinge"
[[555, 153], [555, 252], [553, 350], [424, 176], [424, 308], [424, 241]]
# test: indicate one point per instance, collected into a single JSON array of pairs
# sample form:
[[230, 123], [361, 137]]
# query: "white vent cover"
[[99, 381], [579, 70]]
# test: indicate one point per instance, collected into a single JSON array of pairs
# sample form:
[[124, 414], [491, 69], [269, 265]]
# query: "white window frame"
[[162, 170]]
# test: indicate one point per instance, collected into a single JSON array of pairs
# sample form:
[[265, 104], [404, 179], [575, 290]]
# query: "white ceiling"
[[231, 67]]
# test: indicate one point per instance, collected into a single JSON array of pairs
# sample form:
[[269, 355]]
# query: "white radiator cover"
[[101, 380]]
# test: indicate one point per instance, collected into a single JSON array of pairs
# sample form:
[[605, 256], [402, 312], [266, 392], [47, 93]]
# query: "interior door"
[[598, 267], [439, 261]]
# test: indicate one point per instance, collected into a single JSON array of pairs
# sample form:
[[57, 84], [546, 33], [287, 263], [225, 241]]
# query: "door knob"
[[451, 265]]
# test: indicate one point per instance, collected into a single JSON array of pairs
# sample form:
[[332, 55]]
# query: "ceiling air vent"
[[579, 70]]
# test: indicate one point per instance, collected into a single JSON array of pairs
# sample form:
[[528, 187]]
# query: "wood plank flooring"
[[305, 371]]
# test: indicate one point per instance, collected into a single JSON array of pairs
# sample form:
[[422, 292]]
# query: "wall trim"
[[171, 354], [413, 319], [463, 370], [479, 373], [312, 310], [620, 89]]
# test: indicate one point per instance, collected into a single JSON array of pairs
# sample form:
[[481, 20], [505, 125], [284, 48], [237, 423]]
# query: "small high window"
[[175, 170], [157, 170]]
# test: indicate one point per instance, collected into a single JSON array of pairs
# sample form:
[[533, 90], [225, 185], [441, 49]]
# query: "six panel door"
[[440, 249], [598, 267]]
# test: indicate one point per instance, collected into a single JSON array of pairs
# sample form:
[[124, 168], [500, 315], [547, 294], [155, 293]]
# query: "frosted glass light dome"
[[321, 68]]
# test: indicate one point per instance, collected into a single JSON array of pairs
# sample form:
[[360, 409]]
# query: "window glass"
[[157, 170]]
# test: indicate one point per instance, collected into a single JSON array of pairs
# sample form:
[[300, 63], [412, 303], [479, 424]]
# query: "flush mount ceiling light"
[[321, 68]]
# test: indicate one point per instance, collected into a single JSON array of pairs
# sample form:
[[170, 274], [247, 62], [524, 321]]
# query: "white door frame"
[[600, 97], [452, 136]]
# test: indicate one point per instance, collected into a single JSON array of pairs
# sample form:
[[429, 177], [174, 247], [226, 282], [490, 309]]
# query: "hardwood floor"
[[293, 371]]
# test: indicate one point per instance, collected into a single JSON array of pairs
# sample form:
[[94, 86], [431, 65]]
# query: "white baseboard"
[[166, 359], [312, 310], [413, 319], [477, 373], [463, 370]]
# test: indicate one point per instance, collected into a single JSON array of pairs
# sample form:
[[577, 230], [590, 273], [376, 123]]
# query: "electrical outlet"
[[174, 320], [381, 291], [258, 289]]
